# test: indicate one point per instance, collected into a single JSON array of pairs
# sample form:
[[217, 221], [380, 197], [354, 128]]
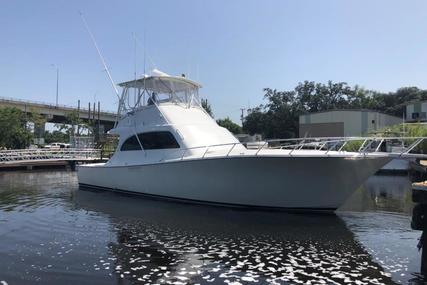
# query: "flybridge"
[[158, 88]]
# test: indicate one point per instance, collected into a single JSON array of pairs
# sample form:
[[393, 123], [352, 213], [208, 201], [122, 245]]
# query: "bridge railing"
[[50, 105], [49, 154]]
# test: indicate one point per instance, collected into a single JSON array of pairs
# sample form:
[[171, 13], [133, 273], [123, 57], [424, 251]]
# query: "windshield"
[[159, 90]]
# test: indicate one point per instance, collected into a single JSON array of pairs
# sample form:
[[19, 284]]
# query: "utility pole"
[[98, 125], [78, 118], [57, 83], [88, 115], [99, 114], [242, 115]]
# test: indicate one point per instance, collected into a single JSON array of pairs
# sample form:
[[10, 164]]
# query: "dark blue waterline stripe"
[[193, 201]]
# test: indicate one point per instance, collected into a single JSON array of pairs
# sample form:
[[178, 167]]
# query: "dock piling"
[[419, 220]]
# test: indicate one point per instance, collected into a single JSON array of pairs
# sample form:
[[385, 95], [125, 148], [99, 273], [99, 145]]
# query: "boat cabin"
[[160, 117]]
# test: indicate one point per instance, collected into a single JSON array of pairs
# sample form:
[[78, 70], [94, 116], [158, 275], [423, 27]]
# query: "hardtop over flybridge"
[[169, 147]]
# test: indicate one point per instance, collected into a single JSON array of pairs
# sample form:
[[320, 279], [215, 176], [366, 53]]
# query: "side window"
[[158, 140], [131, 144]]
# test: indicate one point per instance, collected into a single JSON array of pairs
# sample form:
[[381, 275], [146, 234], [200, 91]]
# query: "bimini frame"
[[148, 87]]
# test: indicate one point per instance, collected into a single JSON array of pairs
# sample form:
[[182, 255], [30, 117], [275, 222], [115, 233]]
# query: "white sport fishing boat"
[[169, 147]]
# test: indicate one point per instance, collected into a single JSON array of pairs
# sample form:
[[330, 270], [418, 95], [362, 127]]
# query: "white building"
[[344, 123], [416, 111]]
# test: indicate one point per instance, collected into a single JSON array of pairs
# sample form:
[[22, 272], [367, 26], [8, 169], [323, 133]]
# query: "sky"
[[233, 48]]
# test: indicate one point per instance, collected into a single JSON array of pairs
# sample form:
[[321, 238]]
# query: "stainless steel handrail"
[[293, 146], [298, 144]]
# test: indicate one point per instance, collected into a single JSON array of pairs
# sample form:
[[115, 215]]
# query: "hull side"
[[268, 182]]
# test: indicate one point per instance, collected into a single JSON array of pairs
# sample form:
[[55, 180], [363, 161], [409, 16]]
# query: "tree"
[[316, 97], [207, 107], [283, 111], [395, 102], [278, 118], [72, 120], [229, 125], [56, 136], [13, 129], [256, 121], [39, 122]]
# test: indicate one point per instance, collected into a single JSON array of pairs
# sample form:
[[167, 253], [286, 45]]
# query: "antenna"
[[197, 72], [145, 53], [134, 54], [134, 71], [144, 50], [100, 55]]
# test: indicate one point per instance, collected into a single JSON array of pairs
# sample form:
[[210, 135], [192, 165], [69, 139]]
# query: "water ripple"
[[51, 232]]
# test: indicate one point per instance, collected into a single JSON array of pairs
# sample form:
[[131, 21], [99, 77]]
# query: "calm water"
[[51, 232]]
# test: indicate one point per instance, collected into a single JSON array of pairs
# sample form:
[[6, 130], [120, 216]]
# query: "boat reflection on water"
[[162, 242], [382, 193]]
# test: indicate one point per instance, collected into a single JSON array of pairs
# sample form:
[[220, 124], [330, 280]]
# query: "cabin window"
[[158, 140], [131, 144]]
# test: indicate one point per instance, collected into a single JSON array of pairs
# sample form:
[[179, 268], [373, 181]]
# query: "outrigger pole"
[[100, 55]]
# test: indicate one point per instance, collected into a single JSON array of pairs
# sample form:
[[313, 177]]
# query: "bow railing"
[[362, 146], [331, 146]]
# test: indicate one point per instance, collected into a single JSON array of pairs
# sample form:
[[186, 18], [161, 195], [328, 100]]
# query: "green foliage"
[[72, 120], [13, 129], [207, 107], [353, 145], [39, 122], [278, 118], [315, 97], [408, 130], [108, 145], [417, 130], [56, 136], [256, 122], [401, 130], [36, 118], [229, 125]]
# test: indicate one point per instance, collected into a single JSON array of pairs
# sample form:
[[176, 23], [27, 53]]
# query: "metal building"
[[416, 111], [344, 123]]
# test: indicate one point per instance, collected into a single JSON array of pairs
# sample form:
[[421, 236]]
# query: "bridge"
[[29, 158], [58, 113]]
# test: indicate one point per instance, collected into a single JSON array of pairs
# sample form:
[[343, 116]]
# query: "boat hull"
[[306, 183]]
